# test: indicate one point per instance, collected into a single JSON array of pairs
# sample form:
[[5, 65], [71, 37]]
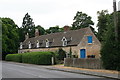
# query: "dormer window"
[[29, 45], [37, 45], [64, 40], [21, 46], [47, 43]]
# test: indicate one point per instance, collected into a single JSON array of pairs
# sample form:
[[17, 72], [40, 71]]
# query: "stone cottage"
[[82, 42]]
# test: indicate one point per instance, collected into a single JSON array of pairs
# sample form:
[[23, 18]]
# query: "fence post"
[[52, 60]]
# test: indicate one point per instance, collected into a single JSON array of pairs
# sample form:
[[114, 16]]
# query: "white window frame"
[[37, 44], [64, 40], [47, 43], [64, 43], [21, 46], [29, 45]]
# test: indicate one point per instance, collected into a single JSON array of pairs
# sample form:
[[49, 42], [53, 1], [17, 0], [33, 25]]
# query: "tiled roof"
[[73, 37]]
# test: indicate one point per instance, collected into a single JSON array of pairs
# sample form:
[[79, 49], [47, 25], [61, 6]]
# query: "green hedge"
[[37, 58], [43, 58], [14, 57]]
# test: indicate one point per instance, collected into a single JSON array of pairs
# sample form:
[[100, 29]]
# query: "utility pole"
[[115, 20], [119, 6]]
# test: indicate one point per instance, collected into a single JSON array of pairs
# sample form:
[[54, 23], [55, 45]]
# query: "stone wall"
[[67, 49], [91, 48], [83, 63]]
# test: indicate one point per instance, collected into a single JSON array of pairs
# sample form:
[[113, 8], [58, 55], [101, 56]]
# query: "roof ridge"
[[59, 32]]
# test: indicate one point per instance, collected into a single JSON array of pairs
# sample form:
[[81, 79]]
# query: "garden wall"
[[83, 63]]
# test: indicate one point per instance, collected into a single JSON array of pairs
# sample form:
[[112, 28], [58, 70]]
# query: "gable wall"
[[91, 49]]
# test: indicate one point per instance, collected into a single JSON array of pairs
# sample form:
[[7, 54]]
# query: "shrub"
[[43, 58], [61, 54], [14, 57]]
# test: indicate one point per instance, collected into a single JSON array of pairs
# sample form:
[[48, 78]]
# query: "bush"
[[43, 58], [61, 54], [14, 57]]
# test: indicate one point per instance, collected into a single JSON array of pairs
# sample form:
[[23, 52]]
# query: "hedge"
[[43, 58], [14, 57]]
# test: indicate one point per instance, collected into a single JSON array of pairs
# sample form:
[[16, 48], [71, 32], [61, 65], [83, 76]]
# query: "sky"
[[49, 13]]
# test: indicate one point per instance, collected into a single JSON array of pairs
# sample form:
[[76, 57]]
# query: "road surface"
[[19, 70]]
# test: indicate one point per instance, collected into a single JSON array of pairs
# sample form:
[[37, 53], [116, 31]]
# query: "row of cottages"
[[82, 42]]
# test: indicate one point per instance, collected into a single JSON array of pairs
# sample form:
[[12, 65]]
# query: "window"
[[21, 46], [89, 39], [47, 43], [91, 56], [29, 45], [37, 44], [64, 41]]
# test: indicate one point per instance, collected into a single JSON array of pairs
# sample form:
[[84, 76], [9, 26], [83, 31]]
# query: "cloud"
[[49, 13]]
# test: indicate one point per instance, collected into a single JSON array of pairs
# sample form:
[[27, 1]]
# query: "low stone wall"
[[83, 63]]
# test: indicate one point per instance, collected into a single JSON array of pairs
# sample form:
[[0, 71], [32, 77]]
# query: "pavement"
[[94, 72]]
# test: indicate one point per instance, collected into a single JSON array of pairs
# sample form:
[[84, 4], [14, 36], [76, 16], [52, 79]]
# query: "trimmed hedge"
[[14, 57], [43, 58]]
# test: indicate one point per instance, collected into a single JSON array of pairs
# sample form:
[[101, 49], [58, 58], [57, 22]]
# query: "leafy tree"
[[54, 30], [10, 38], [110, 53], [28, 26], [61, 54], [81, 20], [103, 18], [21, 34], [28, 22], [118, 26], [41, 29]]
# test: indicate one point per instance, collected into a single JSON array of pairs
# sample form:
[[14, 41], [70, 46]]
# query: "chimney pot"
[[114, 0], [26, 36], [66, 28], [36, 32]]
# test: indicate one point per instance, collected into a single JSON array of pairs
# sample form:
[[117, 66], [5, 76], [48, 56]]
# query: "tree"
[[103, 18], [110, 53], [28, 26], [10, 38], [61, 54], [54, 30], [41, 29], [118, 26], [81, 20], [28, 22]]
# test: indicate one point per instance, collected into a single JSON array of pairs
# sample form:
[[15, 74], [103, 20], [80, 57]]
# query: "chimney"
[[26, 36], [66, 28], [36, 32]]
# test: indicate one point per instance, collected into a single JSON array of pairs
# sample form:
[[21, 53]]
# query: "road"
[[19, 70]]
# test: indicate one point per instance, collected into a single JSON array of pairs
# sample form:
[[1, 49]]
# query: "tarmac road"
[[19, 70]]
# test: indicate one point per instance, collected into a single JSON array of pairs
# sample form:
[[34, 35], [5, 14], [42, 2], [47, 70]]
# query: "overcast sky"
[[49, 13]]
